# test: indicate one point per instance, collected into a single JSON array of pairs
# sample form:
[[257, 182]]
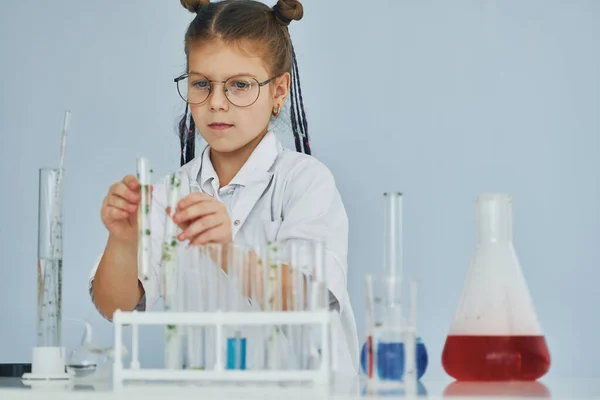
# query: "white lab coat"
[[279, 194]]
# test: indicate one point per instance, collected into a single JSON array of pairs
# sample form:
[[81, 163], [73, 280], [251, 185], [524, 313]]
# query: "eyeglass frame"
[[186, 75]]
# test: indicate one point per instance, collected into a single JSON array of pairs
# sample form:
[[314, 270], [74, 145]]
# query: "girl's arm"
[[114, 280], [116, 284]]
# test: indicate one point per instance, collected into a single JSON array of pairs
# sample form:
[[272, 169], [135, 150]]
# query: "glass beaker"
[[49, 271], [385, 342], [384, 355], [495, 334]]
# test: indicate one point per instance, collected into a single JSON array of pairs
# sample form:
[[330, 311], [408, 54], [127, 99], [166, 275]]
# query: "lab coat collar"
[[258, 167]]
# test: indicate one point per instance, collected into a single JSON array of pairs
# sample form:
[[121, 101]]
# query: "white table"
[[12, 388]]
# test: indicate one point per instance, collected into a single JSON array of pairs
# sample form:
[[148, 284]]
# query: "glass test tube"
[[318, 301], [201, 266], [296, 303], [370, 325], [237, 261], [172, 285], [144, 229], [272, 279]]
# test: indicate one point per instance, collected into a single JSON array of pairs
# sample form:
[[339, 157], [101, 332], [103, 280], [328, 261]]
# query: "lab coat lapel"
[[255, 178], [250, 195]]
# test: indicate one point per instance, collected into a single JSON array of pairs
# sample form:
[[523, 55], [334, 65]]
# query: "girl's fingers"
[[121, 204], [197, 210], [213, 235], [121, 190], [131, 182], [200, 226], [193, 198], [115, 214]]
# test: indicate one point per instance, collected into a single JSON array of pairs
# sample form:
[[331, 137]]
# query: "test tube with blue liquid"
[[238, 271]]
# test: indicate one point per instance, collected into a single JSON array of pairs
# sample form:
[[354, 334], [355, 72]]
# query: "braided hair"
[[234, 20]]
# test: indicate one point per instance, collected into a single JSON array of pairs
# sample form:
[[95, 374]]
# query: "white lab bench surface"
[[13, 388]]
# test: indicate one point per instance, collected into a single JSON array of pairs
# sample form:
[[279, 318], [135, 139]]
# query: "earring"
[[276, 111]]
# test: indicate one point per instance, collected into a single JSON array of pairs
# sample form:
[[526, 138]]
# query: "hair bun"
[[287, 11], [194, 5]]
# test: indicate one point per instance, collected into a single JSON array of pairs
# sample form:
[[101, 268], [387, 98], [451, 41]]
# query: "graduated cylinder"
[[49, 272]]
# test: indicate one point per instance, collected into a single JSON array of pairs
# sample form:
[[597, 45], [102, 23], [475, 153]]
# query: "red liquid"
[[370, 356], [496, 358]]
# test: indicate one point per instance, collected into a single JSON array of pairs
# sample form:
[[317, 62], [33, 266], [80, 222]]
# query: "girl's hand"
[[203, 219], [119, 209]]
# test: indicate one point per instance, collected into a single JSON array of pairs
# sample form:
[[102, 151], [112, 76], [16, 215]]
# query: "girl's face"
[[236, 114]]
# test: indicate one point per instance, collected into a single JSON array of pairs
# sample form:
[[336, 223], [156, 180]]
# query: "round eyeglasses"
[[241, 91]]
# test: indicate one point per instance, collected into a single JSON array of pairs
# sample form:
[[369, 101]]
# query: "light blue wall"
[[441, 100]]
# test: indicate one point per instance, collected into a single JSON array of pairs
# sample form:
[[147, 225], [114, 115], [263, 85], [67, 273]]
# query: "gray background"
[[441, 100]]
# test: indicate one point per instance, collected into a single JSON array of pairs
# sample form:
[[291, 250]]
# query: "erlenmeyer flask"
[[495, 334]]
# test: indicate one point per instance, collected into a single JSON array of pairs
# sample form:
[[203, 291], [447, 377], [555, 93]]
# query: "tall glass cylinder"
[[393, 235], [49, 273]]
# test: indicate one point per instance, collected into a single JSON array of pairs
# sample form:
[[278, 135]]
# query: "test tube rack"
[[219, 320]]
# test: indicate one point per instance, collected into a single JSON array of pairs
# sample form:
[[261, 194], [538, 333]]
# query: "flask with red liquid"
[[495, 334]]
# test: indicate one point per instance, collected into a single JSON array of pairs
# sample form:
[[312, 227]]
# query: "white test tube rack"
[[219, 320]]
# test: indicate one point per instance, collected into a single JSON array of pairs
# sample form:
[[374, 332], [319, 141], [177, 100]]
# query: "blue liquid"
[[390, 360], [236, 346]]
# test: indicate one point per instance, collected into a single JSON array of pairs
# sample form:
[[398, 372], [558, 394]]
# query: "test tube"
[[296, 302], [273, 300], [265, 285], [144, 230], [202, 273], [322, 301], [188, 260], [169, 245], [257, 295], [171, 275], [236, 269], [315, 252], [370, 318], [214, 299], [410, 345], [319, 263]]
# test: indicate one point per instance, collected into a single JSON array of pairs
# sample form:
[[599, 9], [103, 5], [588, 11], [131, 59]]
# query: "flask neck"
[[494, 218]]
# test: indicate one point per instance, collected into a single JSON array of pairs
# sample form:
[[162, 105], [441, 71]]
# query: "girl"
[[241, 68]]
